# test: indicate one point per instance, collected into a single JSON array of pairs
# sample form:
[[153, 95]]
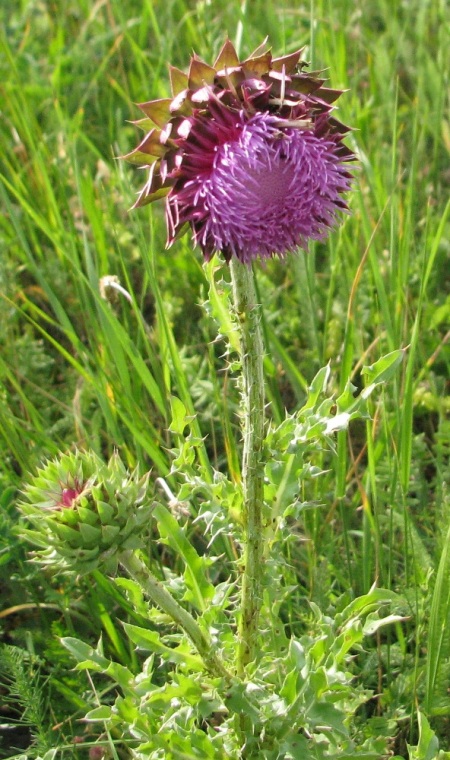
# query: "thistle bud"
[[84, 512]]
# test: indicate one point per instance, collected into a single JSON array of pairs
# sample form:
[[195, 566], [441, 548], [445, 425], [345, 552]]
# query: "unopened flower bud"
[[84, 512]]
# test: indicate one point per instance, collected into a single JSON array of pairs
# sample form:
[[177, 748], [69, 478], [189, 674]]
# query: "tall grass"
[[84, 366]]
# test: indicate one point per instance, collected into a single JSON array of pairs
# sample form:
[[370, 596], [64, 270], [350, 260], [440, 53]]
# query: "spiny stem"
[[251, 342], [155, 590]]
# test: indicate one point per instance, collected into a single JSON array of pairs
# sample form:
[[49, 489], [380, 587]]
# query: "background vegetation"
[[79, 369]]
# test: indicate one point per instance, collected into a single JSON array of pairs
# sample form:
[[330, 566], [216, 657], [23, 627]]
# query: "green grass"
[[79, 370]]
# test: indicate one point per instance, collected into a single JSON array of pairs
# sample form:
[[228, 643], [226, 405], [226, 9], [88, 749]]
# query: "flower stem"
[[251, 343], [155, 590]]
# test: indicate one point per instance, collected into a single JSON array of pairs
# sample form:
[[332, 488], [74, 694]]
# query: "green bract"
[[84, 512]]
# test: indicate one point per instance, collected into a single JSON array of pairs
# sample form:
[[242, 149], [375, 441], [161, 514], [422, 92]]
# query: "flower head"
[[85, 512], [246, 154]]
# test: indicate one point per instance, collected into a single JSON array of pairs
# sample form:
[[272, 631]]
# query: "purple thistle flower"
[[247, 156]]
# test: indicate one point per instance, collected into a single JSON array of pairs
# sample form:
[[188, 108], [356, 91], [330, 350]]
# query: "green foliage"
[[300, 698], [438, 645], [428, 746], [301, 702], [27, 697], [86, 364]]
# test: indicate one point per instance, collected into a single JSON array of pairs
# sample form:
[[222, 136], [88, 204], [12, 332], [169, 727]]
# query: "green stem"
[[251, 345], [155, 590]]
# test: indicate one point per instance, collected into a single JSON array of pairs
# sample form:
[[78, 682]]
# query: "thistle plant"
[[88, 515], [248, 156]]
